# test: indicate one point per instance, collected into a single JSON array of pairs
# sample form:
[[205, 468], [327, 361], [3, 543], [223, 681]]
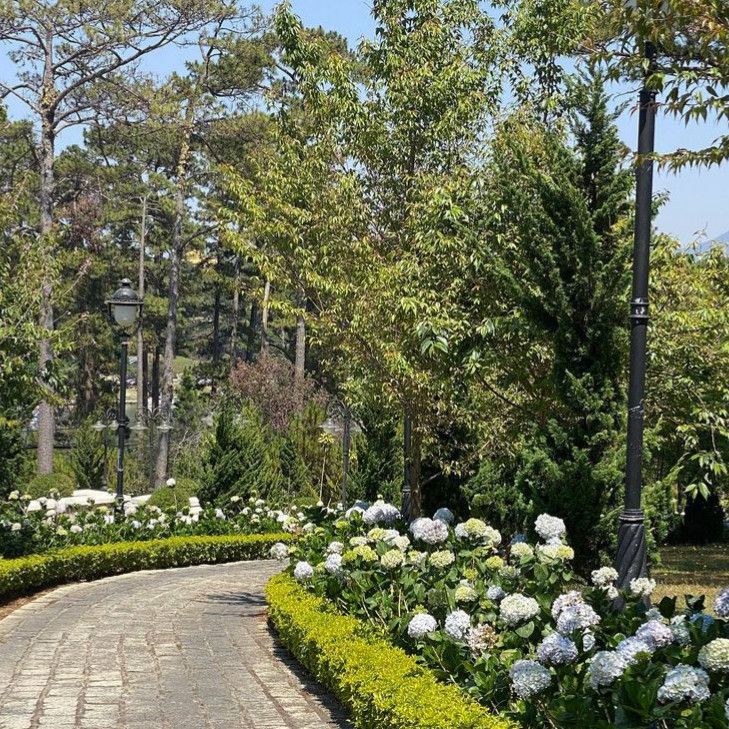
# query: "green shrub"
[[44, 484], [381, 685], [175, 497], [26, 575], [88, 458]]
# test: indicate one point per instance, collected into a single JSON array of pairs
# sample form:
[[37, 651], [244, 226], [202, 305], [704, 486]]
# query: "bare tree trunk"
[[176, 251], [412, 446], [46, 417], [264, 315], [145, 380], [155, 382], [300, 346], [235, 316], [141, 356], [253, 322]]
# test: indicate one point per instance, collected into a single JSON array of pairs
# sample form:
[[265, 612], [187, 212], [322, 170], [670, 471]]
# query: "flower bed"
[[26, 575], [515, 628], [382, 686], [34, 526]]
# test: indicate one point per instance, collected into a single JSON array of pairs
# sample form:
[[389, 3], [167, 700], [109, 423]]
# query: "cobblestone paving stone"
[[174, 649]]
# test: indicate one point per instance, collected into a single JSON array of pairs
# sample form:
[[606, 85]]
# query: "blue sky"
[[698, 199]]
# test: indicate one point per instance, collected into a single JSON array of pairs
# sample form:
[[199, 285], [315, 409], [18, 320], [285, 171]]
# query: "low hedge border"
[[382, 686], [26, 575]]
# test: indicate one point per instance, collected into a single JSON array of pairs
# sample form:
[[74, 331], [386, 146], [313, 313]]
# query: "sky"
[[698, 199]]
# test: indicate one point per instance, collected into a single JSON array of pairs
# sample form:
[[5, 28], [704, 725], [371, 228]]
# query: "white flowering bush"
[[33, 526], [511, 623]]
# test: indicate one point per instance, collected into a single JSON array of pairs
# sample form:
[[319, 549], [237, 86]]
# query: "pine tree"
[[570, 283]]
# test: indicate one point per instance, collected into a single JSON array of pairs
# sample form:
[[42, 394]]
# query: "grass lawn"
[[692, 570]]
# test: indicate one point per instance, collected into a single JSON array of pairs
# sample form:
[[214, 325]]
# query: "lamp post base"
[[632, 561]]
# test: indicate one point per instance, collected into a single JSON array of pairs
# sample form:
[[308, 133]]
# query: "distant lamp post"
[[125, 311], [632, 554]]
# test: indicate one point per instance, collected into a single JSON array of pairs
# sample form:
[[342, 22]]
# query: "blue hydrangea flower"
[[685, 683], [556, 650]]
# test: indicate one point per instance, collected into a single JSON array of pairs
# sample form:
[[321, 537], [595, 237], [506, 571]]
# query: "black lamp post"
[[631, 558], [125, 310]]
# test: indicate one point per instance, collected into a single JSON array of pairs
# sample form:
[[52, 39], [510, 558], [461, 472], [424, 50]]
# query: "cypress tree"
[[572, 204]]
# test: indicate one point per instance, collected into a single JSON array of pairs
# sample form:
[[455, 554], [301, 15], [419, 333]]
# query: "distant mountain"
[[723, 238]]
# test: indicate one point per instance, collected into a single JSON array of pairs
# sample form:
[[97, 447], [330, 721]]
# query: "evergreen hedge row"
[[382, 686], [26, 575]]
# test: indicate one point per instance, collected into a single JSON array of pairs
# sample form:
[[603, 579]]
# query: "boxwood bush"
[[381, 685], [26, 575]]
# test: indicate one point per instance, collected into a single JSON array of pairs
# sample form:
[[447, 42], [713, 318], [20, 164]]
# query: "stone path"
[[175, 649]]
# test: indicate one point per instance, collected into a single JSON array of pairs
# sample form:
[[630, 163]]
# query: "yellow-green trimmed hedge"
[[382, 686], [26, 575]]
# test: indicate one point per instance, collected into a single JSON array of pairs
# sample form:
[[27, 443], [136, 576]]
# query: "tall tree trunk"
[[141, 356], [264, 315], [145, 379], [235, 315], [155, 381], [46, 417], [216, 336], [252, 325], [176, 252], [300, 346]]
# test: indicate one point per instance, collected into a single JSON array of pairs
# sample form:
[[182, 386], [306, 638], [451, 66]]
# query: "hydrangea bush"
[[30, 526], [515, 628]]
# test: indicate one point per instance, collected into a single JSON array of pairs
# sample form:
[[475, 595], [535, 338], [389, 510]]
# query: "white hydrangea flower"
[[478, 530], [721, 603], [279, 551], [642, 587], [568, 599], [442, 559], [235, 499], [457, 624], [481, 639], [577, 617], [15, 526], [401, 542], [76, 529], [335, 548], [430, 531], [557, 552], [421, 625], [392, 559], [714, 656], [556, 650], [390, 536], [136, 524], [444, 514], [631, 648], [333, 563], [529, 678], [380, 513], [685, 683], [605, 668], [516, 609], [171, 482], [303, 571], [655, 633], [604, 577], [495, 593], [681, 634], [550, 527], [417, 559], [14, 495], [358, 541], [521, 550], [465, 593]]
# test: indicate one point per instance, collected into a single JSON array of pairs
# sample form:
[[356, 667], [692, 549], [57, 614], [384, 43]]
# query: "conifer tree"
[[570, 209]]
